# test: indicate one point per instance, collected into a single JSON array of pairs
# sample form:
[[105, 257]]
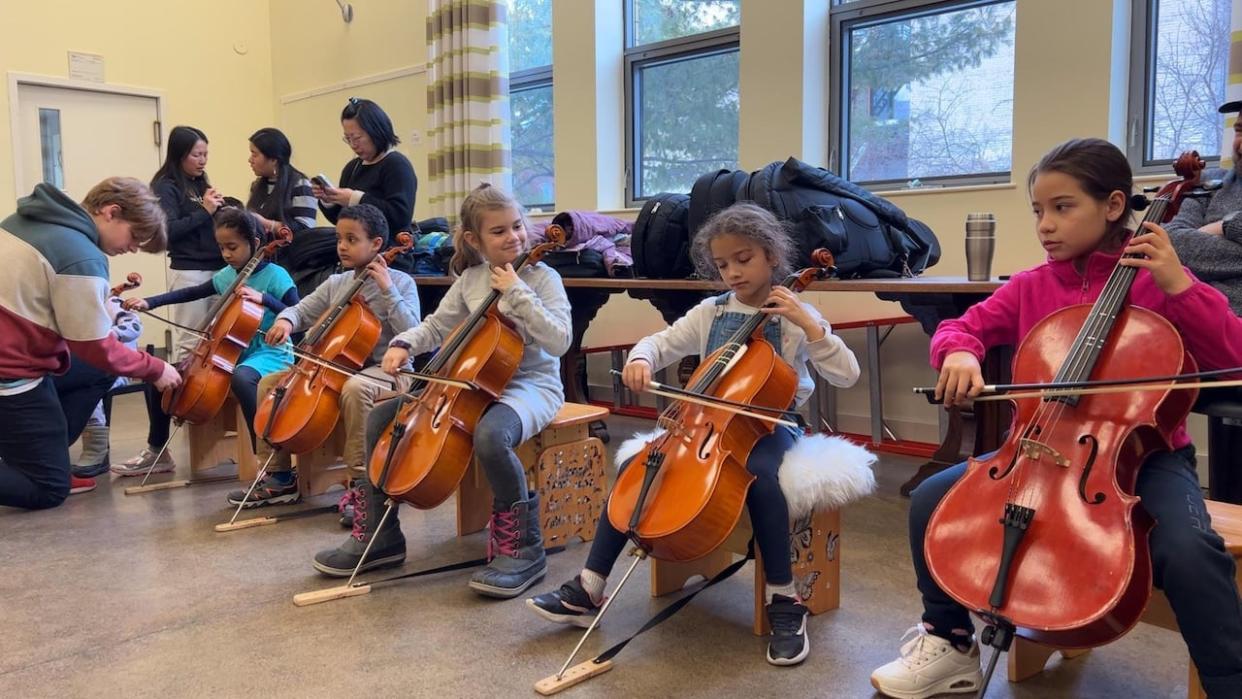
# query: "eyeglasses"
[[353, 140]]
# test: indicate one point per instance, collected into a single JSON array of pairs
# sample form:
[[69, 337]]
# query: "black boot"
[[389, 547], [515, 548]]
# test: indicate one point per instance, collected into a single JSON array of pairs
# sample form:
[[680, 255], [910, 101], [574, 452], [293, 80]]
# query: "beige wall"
[[188, 51], [319, 61]]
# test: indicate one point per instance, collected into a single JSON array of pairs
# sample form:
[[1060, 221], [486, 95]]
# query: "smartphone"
[[322, 181]]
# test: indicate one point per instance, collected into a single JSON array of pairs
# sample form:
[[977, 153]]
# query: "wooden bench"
[[564, 464], [1027, 659], [222, 439], [816, 541]]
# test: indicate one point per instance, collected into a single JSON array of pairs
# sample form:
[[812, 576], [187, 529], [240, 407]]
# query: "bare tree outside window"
[[930, 94], [660, 20], [682, 67], [530, 101], [1188, 59]]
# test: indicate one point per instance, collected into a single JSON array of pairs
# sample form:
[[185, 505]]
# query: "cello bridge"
[[1035, 451]]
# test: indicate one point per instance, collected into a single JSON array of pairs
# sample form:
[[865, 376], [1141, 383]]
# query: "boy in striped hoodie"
[[53, 301]]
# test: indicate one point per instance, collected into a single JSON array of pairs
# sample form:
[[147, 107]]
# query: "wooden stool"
[[321, 468], [564, 464], [221, 439], [1027, 658], [817, 570]]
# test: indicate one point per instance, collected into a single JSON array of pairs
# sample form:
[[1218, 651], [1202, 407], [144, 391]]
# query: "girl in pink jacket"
[[1080, 195]]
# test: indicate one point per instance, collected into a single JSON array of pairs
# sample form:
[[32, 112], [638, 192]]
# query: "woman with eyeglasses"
[[379, 175]]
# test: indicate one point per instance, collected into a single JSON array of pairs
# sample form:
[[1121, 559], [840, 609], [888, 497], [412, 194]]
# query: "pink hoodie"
[[1210, 330]]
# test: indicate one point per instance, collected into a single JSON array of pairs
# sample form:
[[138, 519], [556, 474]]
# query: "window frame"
[[636, 59], [532, 79], [1141, 86], [842, 18]]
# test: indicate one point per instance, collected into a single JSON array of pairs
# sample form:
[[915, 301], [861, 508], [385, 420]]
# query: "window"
[[50, 147], [681, 87], [530, 101], [923, 91], [1179, 59]]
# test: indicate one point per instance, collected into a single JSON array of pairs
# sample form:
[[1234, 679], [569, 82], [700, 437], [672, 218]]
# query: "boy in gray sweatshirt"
[[361, 233]]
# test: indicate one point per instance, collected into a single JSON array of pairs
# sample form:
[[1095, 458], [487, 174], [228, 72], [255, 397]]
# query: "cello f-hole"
[[1086, 471], [438, 414], [705, 447]]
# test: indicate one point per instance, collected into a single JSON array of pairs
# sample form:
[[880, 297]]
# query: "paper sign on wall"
[[86, 66]]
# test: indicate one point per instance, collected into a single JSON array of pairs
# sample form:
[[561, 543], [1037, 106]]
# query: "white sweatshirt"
[[829, 355]]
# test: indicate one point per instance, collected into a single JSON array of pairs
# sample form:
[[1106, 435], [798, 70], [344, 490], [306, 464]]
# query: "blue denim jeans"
[[1189, 562]]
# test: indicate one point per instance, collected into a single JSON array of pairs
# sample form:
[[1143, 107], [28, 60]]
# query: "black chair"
[[1223, 408]]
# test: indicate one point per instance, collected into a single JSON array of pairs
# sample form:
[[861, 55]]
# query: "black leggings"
[[769, 515], [245, 387]]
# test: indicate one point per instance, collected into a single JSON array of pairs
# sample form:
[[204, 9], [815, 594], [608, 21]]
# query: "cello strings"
[[1114, 294]]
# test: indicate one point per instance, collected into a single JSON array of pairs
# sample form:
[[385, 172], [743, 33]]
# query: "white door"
[[73, 139]]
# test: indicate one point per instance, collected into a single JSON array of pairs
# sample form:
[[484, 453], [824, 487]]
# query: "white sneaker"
[[139, 465], [929, 665]]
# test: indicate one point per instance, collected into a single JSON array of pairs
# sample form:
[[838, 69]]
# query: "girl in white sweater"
[[746, 247], [491, 236]]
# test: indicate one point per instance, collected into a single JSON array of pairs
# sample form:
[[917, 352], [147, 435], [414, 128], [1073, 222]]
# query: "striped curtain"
[[467, 99], [1233, 82]]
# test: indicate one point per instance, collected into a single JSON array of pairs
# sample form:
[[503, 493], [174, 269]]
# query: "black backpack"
[[660, 243], [713, 192], [867, 234], [310, 258]]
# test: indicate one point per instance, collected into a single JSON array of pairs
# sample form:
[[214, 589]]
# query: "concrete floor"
[[116, 596]]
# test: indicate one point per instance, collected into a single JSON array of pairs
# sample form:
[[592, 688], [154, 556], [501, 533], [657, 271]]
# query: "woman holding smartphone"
[[379, 175]]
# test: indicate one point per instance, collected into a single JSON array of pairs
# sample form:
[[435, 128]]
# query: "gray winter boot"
[[389, 548], [515, 547]]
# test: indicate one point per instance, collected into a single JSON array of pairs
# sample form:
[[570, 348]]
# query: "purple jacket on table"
[[1210, 331]]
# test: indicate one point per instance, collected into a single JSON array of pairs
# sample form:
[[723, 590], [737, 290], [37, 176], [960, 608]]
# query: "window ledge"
[[955, 189]]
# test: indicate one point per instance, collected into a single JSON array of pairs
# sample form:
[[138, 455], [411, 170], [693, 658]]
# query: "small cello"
[[301, 411], [132, 281], [422, 456], [689, 494], [231, 325]]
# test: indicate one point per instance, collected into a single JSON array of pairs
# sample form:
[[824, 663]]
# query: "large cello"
[[1189, 167], [1044, 537], [301, 411], [231, 325], [422, 456]]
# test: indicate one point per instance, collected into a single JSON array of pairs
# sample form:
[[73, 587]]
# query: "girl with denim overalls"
[[746, 247]]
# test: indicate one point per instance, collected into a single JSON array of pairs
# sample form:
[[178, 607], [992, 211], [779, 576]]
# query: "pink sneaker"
[[80, 485]]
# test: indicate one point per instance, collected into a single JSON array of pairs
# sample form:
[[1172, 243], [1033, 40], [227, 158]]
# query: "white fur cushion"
[[820, 472]]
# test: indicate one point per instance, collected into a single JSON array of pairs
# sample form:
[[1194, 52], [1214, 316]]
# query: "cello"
[[133, 280], [301, 411], [231, 325], [422, 456], [1189, 166], [1043, 538], [689, 494]]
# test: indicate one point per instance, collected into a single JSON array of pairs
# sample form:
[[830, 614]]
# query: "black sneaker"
[[268, 491], [569, 605], [788, 644]]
